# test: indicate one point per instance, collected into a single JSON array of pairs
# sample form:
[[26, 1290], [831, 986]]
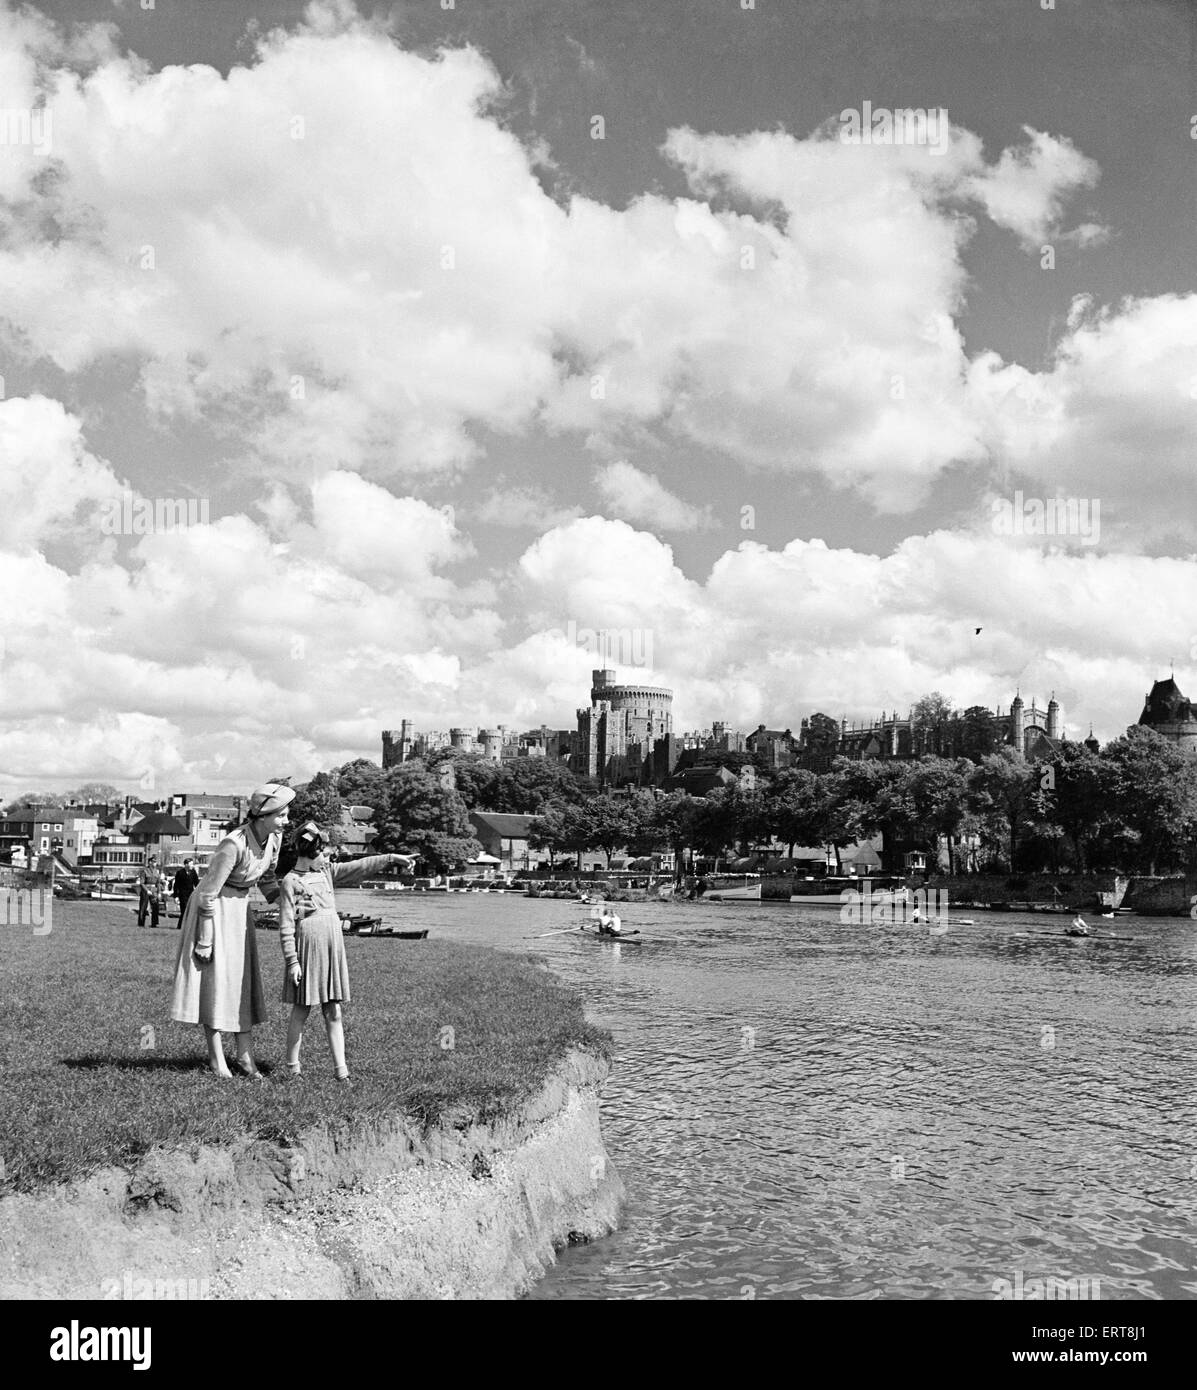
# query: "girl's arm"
[[220, 866], [286, 920], [348, 872]]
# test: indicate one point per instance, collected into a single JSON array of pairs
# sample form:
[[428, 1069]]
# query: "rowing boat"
[[1075, 936]]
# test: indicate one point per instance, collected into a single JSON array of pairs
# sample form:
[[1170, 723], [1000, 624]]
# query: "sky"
[[470, 334]]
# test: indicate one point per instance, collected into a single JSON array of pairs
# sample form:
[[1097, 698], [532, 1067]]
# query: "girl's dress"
[[225, 992], [310, 930]]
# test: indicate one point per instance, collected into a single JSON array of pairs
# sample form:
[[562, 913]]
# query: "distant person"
[[151, 889], [217, 980], [1077, 927], [184, 885], [609, 923], [313, 942]]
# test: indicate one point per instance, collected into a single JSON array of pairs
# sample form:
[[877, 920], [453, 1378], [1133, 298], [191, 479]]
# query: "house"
[[162, 837], [504, 835], [709, 777], [16, 832], [48, 826], [78, 837]]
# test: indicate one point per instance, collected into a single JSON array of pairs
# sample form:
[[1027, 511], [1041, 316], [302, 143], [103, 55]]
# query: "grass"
[[96, 1073]]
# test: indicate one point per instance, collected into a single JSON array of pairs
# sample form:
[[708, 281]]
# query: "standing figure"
[[313, 942], [184, 885], [217, 980], [149, 892]]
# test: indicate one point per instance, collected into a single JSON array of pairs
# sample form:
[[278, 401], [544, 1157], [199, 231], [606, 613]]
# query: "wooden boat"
[[732, 888], [403, 935], [359, 923], [633, 937]]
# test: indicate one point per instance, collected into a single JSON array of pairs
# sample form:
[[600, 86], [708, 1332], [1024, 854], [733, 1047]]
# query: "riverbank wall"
[[467, 1210], [1071, 891], [1162, 897]]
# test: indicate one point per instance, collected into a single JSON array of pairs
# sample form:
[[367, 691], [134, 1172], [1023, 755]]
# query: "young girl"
[[313, 943]]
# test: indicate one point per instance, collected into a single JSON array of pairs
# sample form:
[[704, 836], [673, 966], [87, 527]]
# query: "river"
[[801, 1108]]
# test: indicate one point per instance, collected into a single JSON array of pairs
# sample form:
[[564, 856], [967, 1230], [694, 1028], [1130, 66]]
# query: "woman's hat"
[[270, 798]]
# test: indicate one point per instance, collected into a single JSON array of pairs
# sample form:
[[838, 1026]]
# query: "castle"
[[621, 731], [1167, 711], [1031, 732]]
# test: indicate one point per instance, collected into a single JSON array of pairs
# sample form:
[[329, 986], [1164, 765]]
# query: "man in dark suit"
[[184, 885], [151, 891]]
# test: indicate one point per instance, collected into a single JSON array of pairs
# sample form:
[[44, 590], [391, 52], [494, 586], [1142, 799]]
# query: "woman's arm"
[[286, 920], [268, 884], [348, 872], [220, 866]]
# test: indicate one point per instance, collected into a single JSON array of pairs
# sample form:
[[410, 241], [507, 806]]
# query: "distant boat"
[[731, 888]]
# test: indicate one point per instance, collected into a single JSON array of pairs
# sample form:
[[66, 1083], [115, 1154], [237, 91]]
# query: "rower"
[[609, 923], [1077, 927]]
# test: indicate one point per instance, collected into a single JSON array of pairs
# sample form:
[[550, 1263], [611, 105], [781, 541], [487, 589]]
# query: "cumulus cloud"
[[520, 507], [339, 253], [638, 496], [1029, 186], [1113, 417]]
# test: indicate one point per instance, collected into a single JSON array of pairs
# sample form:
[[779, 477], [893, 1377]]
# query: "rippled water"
[[801, 1108]]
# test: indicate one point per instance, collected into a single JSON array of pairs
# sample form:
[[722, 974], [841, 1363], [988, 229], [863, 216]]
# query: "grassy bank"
[[97, 1074]]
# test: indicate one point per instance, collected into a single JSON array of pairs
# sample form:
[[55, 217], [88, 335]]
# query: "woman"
[[217, 981]]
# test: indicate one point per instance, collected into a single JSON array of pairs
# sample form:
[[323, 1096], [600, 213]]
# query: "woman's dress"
[[315, 938], [225, 992]]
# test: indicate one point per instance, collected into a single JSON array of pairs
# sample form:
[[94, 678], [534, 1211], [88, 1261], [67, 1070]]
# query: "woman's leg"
[[299, 1018], [336, 1036], [216, 1057]]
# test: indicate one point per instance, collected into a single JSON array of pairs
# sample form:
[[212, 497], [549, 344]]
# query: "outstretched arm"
[[348, 872]]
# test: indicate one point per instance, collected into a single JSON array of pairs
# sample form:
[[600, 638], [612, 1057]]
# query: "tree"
[[926, 720], [939, 798], [822, 740], [977, 739], [363, 783], [1156, 790], [1010, 786], [1083, 798], [547, 831], [794, 810], [479, 780], [94, 793], [30, 801], [872, 796], [421, 814], [577, 829], [319, 801], [613, 822]]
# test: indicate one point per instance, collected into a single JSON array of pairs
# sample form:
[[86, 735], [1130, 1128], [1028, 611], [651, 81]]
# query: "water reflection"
[[802, 1108]]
